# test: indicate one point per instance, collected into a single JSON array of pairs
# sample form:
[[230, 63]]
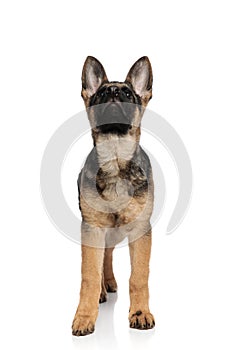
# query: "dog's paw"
[[141, 320], [103, 297], [83, 325], [111, 285]]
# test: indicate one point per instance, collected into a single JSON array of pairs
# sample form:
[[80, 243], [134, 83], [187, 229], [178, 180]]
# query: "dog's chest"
[[114, 153]]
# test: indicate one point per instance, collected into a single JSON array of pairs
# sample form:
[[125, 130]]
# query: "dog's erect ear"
[[141, 78], [93, 75]]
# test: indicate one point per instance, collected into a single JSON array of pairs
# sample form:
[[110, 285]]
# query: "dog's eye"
[[100, 94], [128, 93]]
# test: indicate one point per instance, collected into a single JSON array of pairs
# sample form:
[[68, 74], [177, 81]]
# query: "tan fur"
[[109, 278], [86, 314], [140, 316]]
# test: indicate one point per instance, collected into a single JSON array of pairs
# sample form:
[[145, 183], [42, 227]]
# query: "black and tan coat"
[[115, 192]]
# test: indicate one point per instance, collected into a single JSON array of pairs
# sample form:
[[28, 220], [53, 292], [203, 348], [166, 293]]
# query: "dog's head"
[[116, 107]]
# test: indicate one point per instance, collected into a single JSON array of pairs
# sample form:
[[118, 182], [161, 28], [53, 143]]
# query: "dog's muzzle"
[[113, 118]]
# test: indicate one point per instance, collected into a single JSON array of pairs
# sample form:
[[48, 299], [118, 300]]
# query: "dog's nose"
[[112, 91]]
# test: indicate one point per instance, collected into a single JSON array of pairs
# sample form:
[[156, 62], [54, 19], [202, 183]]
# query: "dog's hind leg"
[[109, 278], [103, 294]]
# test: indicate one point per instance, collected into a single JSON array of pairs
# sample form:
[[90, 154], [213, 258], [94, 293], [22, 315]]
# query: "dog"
[[116, 192]]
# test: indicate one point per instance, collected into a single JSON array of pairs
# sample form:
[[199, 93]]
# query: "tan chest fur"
[[113, 154]]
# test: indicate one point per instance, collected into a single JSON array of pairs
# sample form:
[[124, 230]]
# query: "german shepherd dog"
[[115, 192]]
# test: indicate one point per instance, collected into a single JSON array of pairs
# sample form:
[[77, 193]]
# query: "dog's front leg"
[[87, 311], [139, 315]]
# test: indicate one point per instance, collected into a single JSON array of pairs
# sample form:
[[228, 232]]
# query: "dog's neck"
[[116, 149], [114, 154]]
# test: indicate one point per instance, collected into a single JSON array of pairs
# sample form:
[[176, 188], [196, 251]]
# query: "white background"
[[43, 47]]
